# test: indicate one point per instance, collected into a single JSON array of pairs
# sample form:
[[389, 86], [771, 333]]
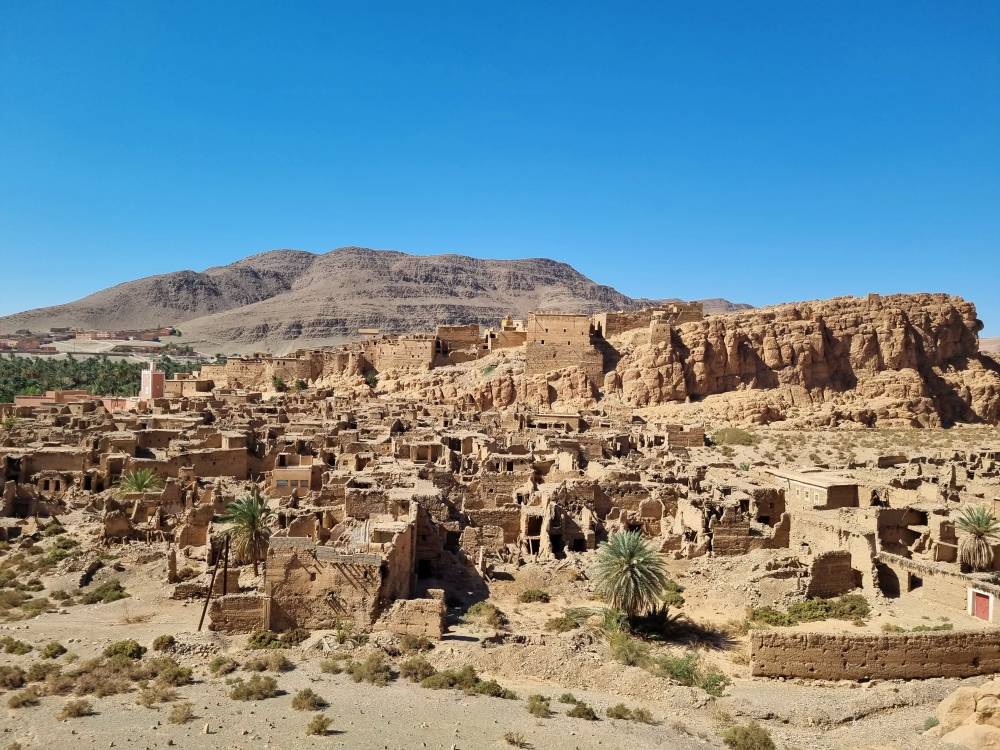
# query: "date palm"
[[981, 531], [251, 518], [139, 480], [631, 575]]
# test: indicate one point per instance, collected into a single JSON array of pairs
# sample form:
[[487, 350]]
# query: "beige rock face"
[[911, 359], [970, 717]]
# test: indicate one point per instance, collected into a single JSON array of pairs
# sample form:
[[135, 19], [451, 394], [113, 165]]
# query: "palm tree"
[[631, 575], [250, 516], [140, 480], [981, 530]]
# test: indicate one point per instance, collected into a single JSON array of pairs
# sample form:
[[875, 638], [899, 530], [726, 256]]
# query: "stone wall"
[[822, 656], [555, 342], [237, 613]]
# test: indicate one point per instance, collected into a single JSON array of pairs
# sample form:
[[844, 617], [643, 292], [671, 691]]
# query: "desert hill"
[[286, 299]]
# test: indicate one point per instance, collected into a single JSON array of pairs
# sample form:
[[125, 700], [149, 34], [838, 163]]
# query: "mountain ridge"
[[287, 298]]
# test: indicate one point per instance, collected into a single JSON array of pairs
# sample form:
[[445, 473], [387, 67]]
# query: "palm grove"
[[28, 376]]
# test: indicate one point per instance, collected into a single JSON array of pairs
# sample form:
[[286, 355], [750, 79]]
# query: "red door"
[[980, 605]]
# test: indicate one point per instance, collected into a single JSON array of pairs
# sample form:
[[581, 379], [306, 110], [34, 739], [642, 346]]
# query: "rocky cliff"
[[902, 360]]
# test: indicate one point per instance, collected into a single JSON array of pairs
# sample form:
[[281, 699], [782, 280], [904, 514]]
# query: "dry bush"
[[154, 694], [181, 713], [307, 700], [416, 669], [374, 669], [164, 643], [221, 665], [539, 706], [53, 650], [581, 710], [24, 698], [318, 725], [515, 739], [415, 643], [750, 736], [76, 708]]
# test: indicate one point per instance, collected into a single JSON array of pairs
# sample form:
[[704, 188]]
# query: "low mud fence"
[[821, 656]]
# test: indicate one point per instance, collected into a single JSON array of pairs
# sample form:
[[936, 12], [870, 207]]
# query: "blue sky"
[[763, 152]]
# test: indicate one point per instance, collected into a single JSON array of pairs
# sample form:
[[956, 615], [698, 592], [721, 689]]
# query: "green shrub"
[[672, 594], [581, 710], [40, 670], [307, 700], [127, 648], [108, 592], [164, 643], [851, 607], [53, 650], [628, 650], [687, 670], [415, 643], [568, 698], [416, 668], [334, 665], [293, 637], [258, 687], [750, 736], [374, 669], [533, 595], [539, 706], [260, 639], [493, 689], [174, 675], [318, 725], [570, 619], [14, 646], [486, 614]]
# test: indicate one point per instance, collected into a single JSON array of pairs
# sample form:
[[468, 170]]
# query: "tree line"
[[101, 376]]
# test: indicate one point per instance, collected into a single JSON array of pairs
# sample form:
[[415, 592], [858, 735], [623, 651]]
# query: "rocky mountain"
[[286, 299]]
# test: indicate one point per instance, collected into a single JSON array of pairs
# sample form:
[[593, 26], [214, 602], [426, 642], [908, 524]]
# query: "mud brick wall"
[[236, 613], [822, 656], [831, 574], [420, 617]]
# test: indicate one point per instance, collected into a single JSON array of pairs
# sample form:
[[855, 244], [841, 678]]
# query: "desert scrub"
[[416, 668], [293, 637], [221, 665], [621, 711], [11, 678], [76, 708], [750, 736], [307, 700], [533, 595], [847, 607], [318, 725], [415, 643], [568, 698], [40, 670], [581, 710], [466, 680], [110, 591], [687, 670], [181, 713], [53, 650], [335, 664], [485, 614], [273, 662], [264, 639], [128, 648], [164, 643], [515, 739], [14, 646], [539, 706], [150, 696], [628, 650], [258, 687], [734, 436], [24, 698], [374, 669], [570, 619]]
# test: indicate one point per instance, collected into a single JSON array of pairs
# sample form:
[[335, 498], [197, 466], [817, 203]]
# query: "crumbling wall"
[[419, 617], [831, 574], [237, 613], [822, 656]]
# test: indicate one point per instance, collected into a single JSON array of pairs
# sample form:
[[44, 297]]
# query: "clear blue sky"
[[760, 151]]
